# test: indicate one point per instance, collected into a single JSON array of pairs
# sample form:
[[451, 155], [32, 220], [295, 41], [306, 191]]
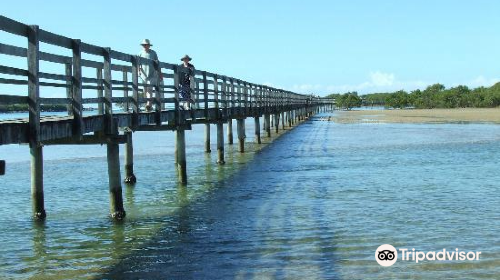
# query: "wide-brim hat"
[[186, 57], [146, 42]]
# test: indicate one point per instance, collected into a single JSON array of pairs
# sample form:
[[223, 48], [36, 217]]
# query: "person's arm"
[[159, 68], [191, 77]]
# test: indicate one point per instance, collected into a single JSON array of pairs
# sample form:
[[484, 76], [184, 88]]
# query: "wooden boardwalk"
[[105, 107]]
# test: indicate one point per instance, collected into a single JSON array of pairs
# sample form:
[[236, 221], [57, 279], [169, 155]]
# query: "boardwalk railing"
[[103, 95]]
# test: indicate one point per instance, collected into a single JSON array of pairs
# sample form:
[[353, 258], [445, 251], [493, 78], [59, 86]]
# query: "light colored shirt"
[[146, 68]]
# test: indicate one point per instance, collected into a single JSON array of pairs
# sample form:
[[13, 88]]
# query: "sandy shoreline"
[[475, 115]]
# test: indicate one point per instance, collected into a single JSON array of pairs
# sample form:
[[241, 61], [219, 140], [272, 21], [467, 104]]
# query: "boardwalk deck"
[[105, 107]]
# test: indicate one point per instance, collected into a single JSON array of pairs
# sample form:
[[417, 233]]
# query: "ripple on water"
[[314, 204]]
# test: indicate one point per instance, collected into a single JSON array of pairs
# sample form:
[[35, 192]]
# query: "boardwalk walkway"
[[104, 107]]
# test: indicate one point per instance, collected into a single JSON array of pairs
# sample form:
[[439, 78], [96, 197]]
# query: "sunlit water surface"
[[313, 204]]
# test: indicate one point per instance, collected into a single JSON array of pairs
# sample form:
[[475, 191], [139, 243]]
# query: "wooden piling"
[[257, 130], [207, 138], [220, 143], [240, 126], [283, 120], [230, 131], [115, 184], [276, 122], [37, 183], [2, 167], [129, 159], [267, 124], [180, 151]]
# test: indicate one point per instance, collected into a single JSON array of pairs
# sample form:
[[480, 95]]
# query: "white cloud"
[[482, 81], [378, 82], [380, 79]]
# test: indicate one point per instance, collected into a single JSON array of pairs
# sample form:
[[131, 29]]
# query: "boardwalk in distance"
[[218, 99]]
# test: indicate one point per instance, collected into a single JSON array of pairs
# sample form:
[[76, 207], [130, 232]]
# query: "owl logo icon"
[[386, 255]]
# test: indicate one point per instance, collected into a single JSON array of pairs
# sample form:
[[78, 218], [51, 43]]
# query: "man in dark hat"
[[186, 77]]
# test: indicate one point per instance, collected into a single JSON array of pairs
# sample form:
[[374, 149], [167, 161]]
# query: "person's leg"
[[147, 91], [149, 94], [184, 97]]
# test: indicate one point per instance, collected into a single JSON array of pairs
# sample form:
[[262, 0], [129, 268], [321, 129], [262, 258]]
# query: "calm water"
[[313, 204]]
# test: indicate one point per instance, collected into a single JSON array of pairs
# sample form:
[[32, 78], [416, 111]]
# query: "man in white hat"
[[147, 71]]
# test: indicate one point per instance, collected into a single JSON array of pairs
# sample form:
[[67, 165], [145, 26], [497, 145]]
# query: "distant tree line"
[[434, 96], [347, 100], [24, 108]]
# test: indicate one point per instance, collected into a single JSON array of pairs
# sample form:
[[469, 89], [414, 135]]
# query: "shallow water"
[[313, 204]]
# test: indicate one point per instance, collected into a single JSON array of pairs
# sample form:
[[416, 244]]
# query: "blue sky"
[[305, 46]]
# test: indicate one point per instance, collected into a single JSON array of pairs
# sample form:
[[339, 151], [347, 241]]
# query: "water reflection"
[[308, 207]]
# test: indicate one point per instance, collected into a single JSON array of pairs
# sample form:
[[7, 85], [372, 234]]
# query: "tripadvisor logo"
[[387, 255]]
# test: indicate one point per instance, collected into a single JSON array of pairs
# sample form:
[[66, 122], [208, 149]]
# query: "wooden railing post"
[[125, 90], [158, 93], [100, 90], [246, 91], [78, 127], [220, 125], [230, 120], [177, 115], [33, 56], [69, 74], [205, 112], [224, 96], [135, 92], [108, 92], [205, 95], [216, 95]]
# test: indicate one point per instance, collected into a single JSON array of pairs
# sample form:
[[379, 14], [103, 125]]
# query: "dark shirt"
[[186, 73]]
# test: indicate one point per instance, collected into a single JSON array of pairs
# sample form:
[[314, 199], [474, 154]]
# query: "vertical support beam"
[[216, 97], [2, 167], [230, 131], [129, 159], [220, 143], [207, 138], [108, 93], [205, 98], [37, 198], [240, 124], [277, 122], [257, 130], [180, 151], [100, 90], [283, 120], [78, 127], [117, 211], [125, 90], [158, 93], [33, 56], [177, 115], [135, 92], [267, 124], [69, 74]]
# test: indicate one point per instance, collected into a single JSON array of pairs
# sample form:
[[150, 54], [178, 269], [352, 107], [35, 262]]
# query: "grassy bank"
[[479, 115]]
